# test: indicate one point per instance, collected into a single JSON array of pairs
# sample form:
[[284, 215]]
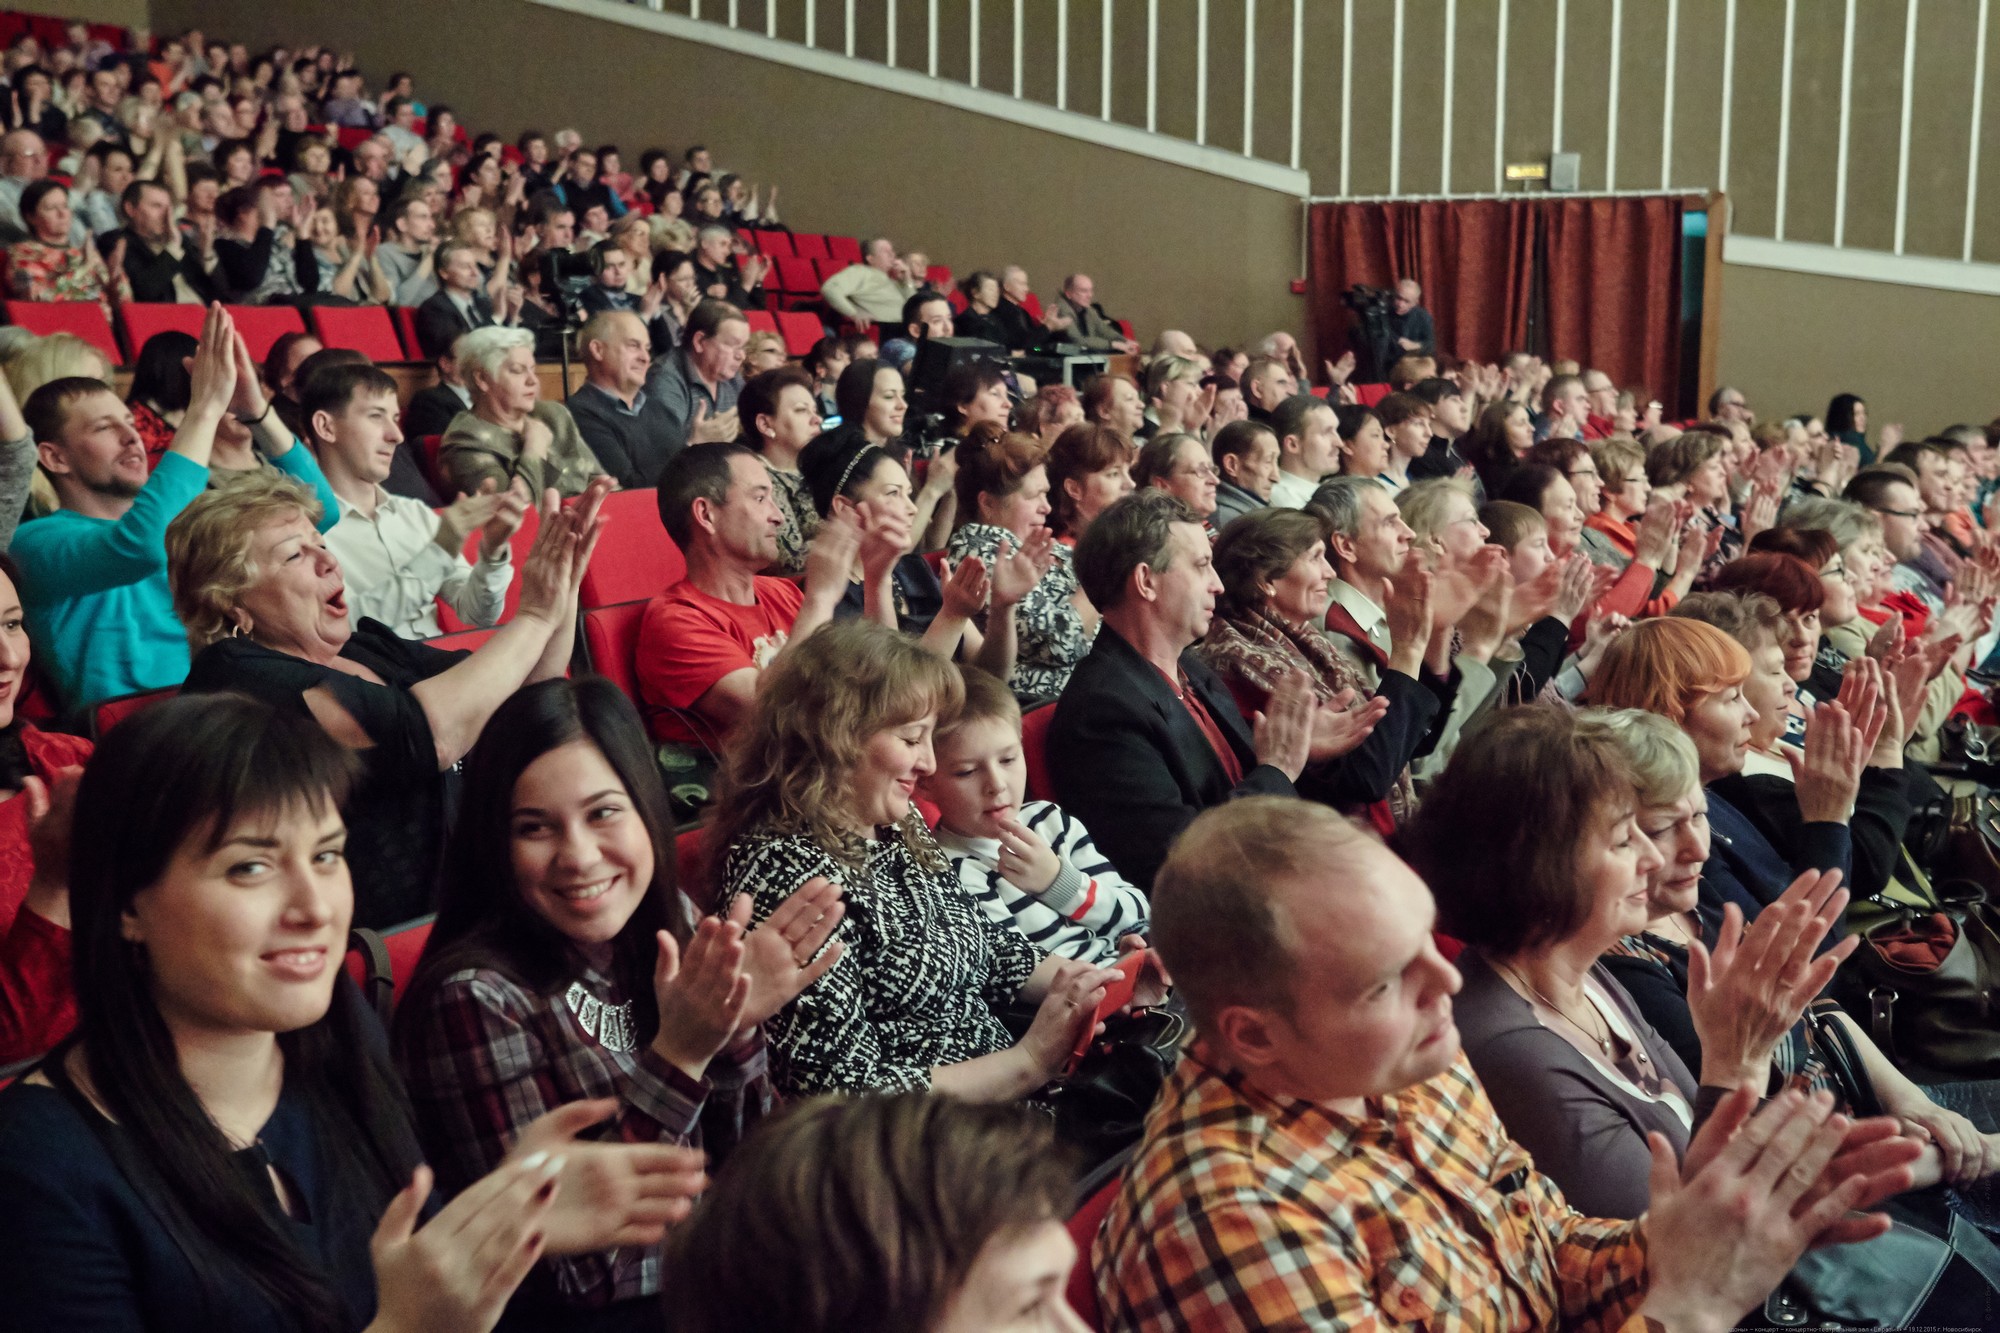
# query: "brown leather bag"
[[1929, 967]]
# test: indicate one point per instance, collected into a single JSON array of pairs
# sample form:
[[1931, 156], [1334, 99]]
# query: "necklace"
[[1603, 1042], [610, 1024]]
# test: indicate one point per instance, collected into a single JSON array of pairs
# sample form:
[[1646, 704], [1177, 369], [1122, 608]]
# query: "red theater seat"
[[85, 319], [808, 246], [141, 322], [523, 538], [801, 329], [844, 248], [1034, 751], [611, 645], [636, 560], [262, 325], [111, 712], [366, 329]]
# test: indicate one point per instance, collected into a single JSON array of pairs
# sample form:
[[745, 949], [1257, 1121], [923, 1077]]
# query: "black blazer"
[[1129, 760], [439, 322]]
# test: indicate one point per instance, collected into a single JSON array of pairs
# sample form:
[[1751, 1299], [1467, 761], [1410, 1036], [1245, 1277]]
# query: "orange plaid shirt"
[[1245, 1211]]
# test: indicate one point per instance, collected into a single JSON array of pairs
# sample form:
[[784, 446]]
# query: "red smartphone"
[[1117, 994]]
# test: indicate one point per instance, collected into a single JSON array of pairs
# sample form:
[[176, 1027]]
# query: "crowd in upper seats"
[[1493, 774]]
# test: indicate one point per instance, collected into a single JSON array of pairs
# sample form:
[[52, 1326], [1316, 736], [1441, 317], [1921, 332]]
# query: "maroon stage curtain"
[[1612, 284], [1594, 279]]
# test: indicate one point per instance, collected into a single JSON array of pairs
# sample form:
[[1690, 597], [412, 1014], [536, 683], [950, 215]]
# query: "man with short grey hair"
[[1094, 328]]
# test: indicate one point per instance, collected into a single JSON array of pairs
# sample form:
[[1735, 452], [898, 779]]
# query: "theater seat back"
[[262, 325], [1099, 1191], [611, 644], [636, 559], [85, 319], [366, 329], [1035, 752]]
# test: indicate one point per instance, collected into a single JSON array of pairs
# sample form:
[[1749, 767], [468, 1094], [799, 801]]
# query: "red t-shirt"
[[690, 640], [37, 1006]]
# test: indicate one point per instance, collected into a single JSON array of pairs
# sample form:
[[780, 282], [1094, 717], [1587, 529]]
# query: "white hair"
[[483, 350]]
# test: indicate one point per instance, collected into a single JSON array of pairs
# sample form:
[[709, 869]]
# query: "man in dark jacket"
[[163, 268], [1145, 737]]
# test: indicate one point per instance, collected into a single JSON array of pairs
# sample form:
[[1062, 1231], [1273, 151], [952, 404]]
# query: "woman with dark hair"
[[827, 359], [1364, 445], [161, 388], [216, 1143], [818, 784], [1530, 840], [854, 481], [1847, 421], [778, 416], [44, 266], [975, 394], [565, 964], [871, 406], [1269, 623], [1090, 467], [1003, 508], [949, 1221], [280, 371], [1496, 444], [982, 297], [1179, 464], [37, 770], [656, 173], [1548, 492], [1796, 588]]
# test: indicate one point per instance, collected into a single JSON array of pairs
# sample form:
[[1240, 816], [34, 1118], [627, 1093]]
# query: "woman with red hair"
[[1692, 674], [1796, 588]]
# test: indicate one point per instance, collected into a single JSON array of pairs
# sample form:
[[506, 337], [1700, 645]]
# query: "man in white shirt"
[[1308, 448], [399, 555]]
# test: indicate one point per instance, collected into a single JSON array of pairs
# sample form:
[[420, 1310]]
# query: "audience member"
[[399, 556], [510, 431], [1003, 509], [819, 786], [1145, 736], [698, 382], [1322, 1006], [219, 902], [161, 266], [779, 413], [564, 966], [1309, 448], [265, 606], [873, 290], [1178, 463], [460, 305], [1089, 467], [952, 1222], [631, 433], [1246, 456], [48, 266]]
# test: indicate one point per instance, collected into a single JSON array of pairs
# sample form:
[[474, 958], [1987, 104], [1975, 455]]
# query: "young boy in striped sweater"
[[1026, 863]]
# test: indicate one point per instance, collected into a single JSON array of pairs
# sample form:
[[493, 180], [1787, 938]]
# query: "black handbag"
[[1101, 1107], [1932, 1269], [1926, 977]]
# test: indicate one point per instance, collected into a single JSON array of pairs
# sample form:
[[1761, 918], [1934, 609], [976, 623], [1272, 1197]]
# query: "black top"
[[631, 446], [430, 412], [1131, 762], [730, 279], [440, 321], [244, 264], [1881, 817], [397, 816], [83, 1249], [967, 324], [151, 272], [919, 596]]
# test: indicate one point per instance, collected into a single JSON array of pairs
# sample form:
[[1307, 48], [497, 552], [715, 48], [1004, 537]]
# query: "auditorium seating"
[[1097, 1191], [1034, 751], [260, 325], [611, 645], [366, 329], [801, 330], [111, 712], [640, 562], [388, 959], [406, 329], [140, 322], [85, 319]]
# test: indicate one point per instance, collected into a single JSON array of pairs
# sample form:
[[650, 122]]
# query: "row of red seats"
[[369, 329]]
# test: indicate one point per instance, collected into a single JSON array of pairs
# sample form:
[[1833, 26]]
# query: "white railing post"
[[1062, 55], [1667, 101], [1972, 152], [1153, 65], [1499, 109], [1347, 89], [1249, 74], [1450, 73], [1104, 61], [1903, 142], [1396, 100], [1562, 52], [1298, 72], [1201, 72], [973, 56], [1611, 96], [1728, 93], [1017, 48], [1785, 117], [1846, 107]]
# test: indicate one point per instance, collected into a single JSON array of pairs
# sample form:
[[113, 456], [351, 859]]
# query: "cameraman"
[[1408, 324]]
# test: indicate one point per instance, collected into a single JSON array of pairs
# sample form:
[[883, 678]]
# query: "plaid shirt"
[[1245, 1211], [486, 1057]]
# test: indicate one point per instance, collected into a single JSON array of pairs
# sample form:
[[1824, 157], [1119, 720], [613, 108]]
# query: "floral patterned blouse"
[[1047, 625], [38, 271]]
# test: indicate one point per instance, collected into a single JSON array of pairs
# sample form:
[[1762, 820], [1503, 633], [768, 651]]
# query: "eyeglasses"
[[1205, 471], [1836, 570], [1899, 513], [1590, 472]]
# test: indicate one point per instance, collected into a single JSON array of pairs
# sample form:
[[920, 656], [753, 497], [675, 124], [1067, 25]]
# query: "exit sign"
[[1527, 171]]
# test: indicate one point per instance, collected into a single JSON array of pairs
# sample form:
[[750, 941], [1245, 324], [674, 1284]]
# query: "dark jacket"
[[152, 274], [1132, 764], [1745, 869], [439, 322], [1881, 817]]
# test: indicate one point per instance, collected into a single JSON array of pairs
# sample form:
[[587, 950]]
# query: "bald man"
[[24, 159]]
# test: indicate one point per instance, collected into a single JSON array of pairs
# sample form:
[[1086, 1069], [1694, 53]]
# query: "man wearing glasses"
[[1890, 490], [24, 159]]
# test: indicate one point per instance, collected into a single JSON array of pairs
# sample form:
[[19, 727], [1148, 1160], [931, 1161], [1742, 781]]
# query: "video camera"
[[1372, 307]]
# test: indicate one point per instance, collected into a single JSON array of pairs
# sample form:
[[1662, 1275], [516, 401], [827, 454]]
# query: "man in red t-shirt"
[[705, 640]]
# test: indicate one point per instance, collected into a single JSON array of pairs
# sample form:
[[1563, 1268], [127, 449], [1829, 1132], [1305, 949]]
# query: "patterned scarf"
[[1259, 649]]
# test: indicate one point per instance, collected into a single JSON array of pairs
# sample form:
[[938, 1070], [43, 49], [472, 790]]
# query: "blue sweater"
[[1745, 869], [95, 589]]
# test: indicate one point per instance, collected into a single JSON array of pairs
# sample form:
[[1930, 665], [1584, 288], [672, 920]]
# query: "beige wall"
[[131, 13], [1791, 341], [1165, 243]]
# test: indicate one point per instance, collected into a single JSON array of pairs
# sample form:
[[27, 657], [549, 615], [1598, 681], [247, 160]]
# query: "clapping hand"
[[1019, 566], [459, 1270], [1339, 725], [702, 994], [611, 1194], [788, 951], [1827, 777], [966, 588], [1748, 992]]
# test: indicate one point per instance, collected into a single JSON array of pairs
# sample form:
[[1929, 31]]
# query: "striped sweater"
[[1079, 916]]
